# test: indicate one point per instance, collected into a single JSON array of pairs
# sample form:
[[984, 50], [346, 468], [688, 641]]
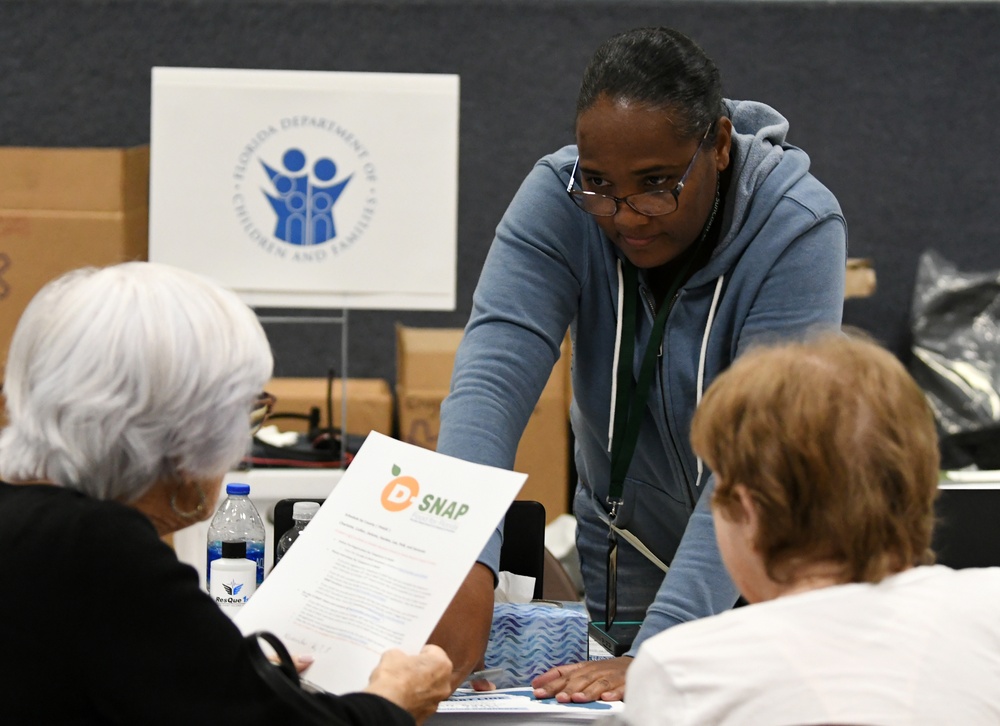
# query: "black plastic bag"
[[955, 320]]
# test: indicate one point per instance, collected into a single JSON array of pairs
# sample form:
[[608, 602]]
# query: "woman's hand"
[[413, 682], [302, 662], [595, 680]]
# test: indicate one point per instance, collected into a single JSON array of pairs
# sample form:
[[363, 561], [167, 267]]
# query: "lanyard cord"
[[631, 396]]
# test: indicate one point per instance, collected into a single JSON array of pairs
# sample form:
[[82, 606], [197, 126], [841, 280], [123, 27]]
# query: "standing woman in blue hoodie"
[[678, 231]]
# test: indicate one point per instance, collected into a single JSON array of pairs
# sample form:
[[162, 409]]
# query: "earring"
[[194, 513]]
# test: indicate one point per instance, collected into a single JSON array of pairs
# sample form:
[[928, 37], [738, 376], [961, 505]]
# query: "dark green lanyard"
[[631, 398]]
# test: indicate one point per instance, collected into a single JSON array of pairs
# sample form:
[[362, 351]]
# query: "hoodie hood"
[[758, 148]]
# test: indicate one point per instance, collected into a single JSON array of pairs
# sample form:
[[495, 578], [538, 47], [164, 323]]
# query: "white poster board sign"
[[308, 189]]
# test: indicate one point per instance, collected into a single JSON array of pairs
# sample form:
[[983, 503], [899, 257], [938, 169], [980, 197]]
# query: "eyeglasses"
[[262, 407], [649, 204]]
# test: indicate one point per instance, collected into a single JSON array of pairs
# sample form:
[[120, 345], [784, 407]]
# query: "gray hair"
[[122, 376]]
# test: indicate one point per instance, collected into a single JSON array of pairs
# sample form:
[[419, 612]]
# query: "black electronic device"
[[966, 532], [523, 549], [618, 639]]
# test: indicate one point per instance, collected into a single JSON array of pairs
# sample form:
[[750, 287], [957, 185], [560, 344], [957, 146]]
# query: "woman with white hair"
[[129, 390]]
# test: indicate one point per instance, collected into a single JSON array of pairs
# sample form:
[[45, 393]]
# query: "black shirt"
[[101, 624]]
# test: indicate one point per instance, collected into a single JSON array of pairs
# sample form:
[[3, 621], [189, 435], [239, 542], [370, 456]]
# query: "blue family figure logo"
[[304, 209]]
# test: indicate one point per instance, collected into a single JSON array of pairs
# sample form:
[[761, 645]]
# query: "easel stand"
[[340, 320]]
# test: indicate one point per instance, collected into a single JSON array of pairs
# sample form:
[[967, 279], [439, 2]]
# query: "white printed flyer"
[[379, 563], [516, 706]]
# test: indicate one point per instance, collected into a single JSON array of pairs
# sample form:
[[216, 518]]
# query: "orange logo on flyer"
[[399, 493]]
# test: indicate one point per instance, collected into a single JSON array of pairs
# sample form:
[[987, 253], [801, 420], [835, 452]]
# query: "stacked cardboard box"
[[66, 208], [860, 280], [424, 361]]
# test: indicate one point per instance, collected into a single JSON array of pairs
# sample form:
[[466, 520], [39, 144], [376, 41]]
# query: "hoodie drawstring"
[[618, 345], [701, 362]]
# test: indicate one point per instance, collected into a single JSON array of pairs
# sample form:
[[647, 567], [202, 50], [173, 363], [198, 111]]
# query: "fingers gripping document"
[[381, 559]]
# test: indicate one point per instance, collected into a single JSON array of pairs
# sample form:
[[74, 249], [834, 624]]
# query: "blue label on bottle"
[[255, 552]]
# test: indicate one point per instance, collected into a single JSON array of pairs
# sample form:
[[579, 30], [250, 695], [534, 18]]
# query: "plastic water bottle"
[[233, 577], [302, 514], [236, 520]]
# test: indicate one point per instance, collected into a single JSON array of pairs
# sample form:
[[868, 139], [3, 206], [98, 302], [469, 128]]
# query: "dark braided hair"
[[659, 67]]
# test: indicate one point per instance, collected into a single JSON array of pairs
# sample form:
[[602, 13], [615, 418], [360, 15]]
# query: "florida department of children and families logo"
[[305, 189]]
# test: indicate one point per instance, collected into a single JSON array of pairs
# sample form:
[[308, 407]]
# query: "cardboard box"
[[424, 361], [860, 280], [369, 403], [61, 209]]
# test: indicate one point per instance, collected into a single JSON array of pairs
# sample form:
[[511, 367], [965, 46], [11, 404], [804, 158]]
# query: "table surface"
[[986, 478]]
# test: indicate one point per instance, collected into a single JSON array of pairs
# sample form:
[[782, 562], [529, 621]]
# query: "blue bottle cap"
[[237, 488]]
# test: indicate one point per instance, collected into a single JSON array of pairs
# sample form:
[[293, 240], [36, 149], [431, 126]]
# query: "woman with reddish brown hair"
[[826, 463]]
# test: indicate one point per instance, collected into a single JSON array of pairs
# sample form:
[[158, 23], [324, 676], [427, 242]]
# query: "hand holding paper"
[[417, 683], [381, 560]]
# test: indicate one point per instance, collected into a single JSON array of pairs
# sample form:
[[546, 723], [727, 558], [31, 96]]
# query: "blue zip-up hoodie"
[[777, 272]]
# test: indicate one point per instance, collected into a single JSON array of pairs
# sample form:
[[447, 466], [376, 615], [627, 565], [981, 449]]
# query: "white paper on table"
[[516, 705], [381, 559]]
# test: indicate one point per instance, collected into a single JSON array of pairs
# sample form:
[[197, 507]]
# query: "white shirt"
[[921, 647]]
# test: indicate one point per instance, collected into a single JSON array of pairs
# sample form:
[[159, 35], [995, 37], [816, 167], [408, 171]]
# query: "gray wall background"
[[893, 101]]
